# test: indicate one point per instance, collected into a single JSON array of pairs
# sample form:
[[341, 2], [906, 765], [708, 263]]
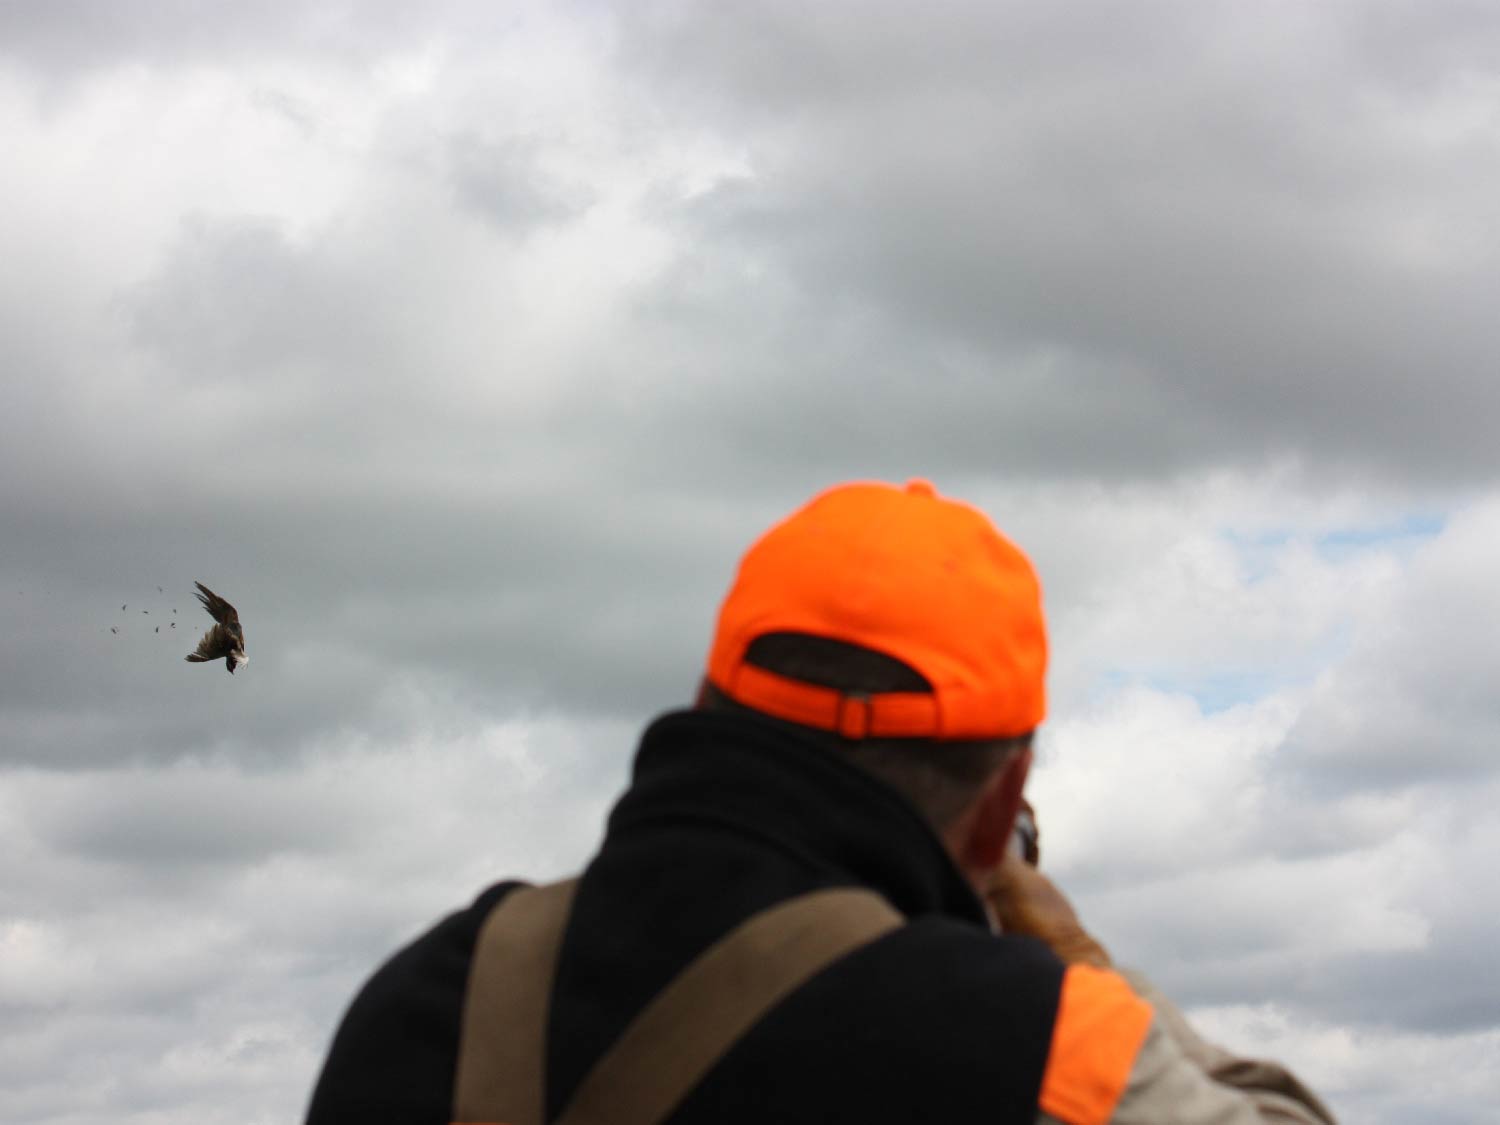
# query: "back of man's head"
[[894, 625]]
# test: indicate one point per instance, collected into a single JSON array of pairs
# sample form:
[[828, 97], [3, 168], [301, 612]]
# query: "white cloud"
[[1377, 1075], [1416, 697], [229, 951]]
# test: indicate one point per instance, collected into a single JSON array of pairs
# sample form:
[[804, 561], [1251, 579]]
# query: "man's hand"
[[1026, 902]]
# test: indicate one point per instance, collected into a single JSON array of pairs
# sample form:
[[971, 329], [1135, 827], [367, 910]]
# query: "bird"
[[112, 629], [122, 607], [158, 628], [226, 638]]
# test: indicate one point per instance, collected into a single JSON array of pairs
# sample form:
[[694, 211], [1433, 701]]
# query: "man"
[[803, 909]]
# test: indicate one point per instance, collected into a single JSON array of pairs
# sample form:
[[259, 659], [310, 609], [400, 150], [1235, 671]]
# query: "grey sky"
[[465, 349]]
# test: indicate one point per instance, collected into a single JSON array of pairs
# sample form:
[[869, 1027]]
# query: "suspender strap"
[[501, 1057], [687, 1028], [678, 1037]]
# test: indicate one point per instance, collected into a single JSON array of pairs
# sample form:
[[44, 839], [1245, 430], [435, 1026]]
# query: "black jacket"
[[939, 1021]]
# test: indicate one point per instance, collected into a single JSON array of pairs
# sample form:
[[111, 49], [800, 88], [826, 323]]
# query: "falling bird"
[[112, 629], [226, 638], [122, 608], [158, 628]]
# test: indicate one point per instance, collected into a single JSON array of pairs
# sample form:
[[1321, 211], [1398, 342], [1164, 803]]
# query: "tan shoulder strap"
[[502, 1044], [688, 1027], [679, 1035]]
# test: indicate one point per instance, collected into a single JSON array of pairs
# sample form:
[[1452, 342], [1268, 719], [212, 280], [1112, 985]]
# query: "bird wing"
[[216, 643], [220, 610]]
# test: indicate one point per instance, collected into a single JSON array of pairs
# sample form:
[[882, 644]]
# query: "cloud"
[[1302, 847], [188, 936], [1415, 701], [1248, 233], [465, 349], [1382, 1074], [73, 38]]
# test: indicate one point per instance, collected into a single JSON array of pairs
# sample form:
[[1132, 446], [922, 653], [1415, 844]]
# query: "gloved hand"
[[1026, 902]]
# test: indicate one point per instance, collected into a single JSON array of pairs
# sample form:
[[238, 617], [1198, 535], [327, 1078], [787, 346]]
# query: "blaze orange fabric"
[[1101, 1024], [903, 571]]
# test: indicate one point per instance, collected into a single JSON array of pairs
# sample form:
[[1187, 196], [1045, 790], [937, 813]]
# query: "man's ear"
[[993, 818]]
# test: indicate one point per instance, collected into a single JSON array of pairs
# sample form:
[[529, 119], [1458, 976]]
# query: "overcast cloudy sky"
[[465, 346]]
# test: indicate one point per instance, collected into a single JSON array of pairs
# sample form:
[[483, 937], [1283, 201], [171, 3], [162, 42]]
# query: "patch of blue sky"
[[1402, 535], [1257, 551], [1215, 693], [1223, 687], [1212, 692]]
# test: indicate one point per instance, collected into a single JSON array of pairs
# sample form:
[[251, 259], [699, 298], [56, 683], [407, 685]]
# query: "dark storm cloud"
[[846, 396], [1279, 230], [1444, 987], [1127, 241], [70, 37], [355, 614], [291, 439]]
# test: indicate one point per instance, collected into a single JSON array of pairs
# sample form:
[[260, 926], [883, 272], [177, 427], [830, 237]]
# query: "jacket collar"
[[747, 776]]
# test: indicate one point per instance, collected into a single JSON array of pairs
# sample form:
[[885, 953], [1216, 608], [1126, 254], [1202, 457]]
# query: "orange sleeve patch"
[[1101, 1024]]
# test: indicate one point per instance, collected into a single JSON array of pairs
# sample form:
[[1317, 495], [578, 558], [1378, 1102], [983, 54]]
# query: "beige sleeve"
[[1179, 1078]]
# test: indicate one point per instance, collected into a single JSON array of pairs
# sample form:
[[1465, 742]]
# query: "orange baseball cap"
[[906, 572]]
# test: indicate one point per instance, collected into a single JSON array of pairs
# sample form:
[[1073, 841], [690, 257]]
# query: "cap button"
[[919, 487]]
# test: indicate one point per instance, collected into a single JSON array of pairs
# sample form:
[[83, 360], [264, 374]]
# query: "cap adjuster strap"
[[854, 714]]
